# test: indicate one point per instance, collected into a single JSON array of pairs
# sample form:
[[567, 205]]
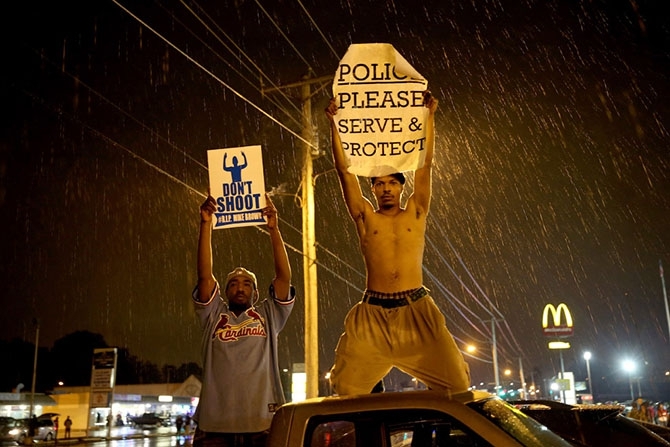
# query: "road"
[[124, 436]]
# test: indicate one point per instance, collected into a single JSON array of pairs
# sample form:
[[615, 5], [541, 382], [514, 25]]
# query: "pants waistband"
[[395, 299]]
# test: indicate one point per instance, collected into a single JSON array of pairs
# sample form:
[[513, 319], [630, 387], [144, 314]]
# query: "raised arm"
[[351, 189], [422, 176], [206, 278], [282, 279]]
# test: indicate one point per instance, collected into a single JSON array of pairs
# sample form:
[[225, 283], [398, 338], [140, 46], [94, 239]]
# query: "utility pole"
[[32, 390], [523, 379], [494, 353], [308, 235], [309, 250], [31, 427], [532, 384]]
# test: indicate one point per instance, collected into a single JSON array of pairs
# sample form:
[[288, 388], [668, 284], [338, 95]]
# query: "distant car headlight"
[[14, 431]]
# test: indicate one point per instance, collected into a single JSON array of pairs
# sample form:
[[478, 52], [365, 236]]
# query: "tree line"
[[69, 362]]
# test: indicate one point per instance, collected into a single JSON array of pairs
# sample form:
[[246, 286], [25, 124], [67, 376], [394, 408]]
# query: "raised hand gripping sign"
[[237, 183], [381, 113]]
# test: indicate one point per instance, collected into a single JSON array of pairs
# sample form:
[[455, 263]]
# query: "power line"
[[60, 112], [103, 98], [455, 302], [319, 30], [455, 275], [199, 65], [254, 106], [460, 260], [240, 50], [285, 36]]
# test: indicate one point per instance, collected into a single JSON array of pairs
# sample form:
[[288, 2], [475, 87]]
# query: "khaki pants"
[[414, 338]]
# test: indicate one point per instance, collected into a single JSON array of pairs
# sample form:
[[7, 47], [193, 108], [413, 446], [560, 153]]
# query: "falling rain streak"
[[550, 182]]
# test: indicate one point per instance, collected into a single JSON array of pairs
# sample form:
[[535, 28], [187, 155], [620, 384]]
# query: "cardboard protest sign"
[[381, 114], [237, 183]]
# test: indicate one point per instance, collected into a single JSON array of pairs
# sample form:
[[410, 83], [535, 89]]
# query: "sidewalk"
[[97, 434]]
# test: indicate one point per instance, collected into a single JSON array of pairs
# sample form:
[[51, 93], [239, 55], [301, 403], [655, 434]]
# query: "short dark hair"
[[396, 175]]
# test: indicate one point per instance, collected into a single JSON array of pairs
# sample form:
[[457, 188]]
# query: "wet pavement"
[[119, 433]]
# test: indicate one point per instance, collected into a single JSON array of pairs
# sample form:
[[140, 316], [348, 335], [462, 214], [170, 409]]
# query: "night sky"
[[551, 180]]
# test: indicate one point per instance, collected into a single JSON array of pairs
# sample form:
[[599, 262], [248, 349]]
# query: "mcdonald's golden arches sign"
[[557, 326]]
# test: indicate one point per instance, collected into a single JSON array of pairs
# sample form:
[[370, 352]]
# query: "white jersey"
[[241, 385]]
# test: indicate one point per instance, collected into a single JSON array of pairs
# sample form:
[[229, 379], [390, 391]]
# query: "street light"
[[471, 349], [587, 357], [629, 367]]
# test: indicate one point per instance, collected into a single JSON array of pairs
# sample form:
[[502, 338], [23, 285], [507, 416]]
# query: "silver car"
[[12, 430], [408, 419], [44, 429]]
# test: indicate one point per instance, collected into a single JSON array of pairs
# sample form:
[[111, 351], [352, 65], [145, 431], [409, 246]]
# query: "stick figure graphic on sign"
[[240, 196], [235, 170]]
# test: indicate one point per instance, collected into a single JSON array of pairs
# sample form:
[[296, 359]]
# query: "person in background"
[[68, 427], [638, 410], [651, 412], [662, 412], [241, 386], [397, 323], [187, 424], [32, 426]]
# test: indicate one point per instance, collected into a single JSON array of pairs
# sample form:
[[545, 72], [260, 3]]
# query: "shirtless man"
[[397, 323]]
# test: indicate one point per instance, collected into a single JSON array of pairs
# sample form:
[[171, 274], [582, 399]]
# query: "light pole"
[[639, 390], [36, 322], [560, 355], [629, 367], [561, 345], [587, 357]]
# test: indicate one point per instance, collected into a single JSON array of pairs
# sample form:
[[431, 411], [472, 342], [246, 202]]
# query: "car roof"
[[47, 415], [408, 398], [324, 408]]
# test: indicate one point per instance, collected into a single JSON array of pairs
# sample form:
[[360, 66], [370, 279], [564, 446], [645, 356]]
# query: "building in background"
[[167, 400], [17, 405]]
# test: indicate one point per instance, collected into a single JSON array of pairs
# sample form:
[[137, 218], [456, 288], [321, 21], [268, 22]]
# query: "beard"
[[386, 202], [238, 307]]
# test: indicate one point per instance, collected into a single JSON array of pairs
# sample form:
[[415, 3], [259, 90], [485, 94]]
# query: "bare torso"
[[392, 246]]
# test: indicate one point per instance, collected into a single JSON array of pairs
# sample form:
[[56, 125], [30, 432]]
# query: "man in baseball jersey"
[[241, 386], [397, 323]]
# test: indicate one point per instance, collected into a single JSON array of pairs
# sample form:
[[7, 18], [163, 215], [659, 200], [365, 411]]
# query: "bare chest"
[[401, 230]]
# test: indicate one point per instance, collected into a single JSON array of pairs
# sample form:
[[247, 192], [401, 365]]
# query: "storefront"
[[167, 400], [17, 405]]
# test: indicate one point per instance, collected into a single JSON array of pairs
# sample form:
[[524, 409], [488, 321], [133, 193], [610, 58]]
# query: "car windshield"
[[524, 429], [592, 425], [420, 427]]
